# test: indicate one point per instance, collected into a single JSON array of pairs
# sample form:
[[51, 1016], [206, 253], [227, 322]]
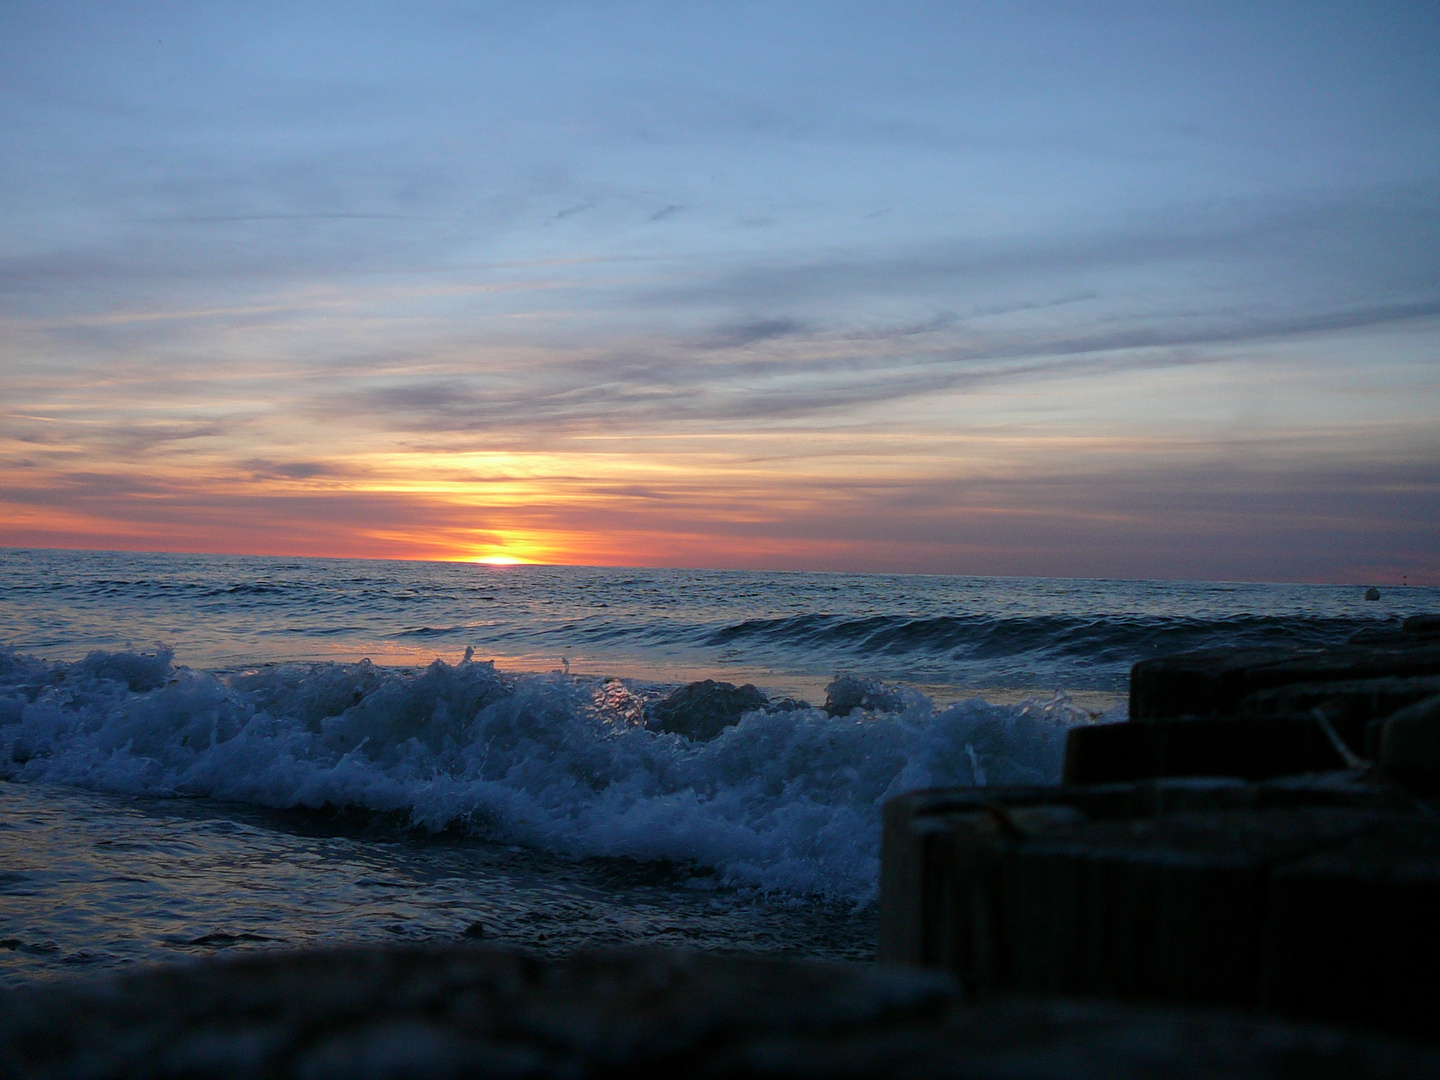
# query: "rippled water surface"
[[93, 881], [789, 632]]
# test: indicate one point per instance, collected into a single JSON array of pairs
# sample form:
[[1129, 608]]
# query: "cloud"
[[807, 373], [262, 469], [1367, 241], [570, 211], [739, 335]]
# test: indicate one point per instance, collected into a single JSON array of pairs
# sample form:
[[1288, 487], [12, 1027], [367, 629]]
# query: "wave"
[[1094, 639], [783, 801]]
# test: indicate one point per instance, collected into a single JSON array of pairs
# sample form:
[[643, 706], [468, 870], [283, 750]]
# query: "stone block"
[[1212, 682], [1352, 789], [1410, 746], [1353, 935], [1200, 746], [1168, 908], [1350, 706], [917, 855], [1422, 626], [915, 870], [1204, 891]]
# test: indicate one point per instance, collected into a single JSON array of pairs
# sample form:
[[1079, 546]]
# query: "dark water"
[[266, 785], [93, 880]]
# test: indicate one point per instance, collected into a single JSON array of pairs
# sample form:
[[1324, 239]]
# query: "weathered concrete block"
[[918, 857], [1423, 626], [1162, 891], [1410, 746], [1353, 932], [1208, 746], [1350, 789], [1220, 694], [1212, 682], [915, 871], [1168, 908], [1350, 706]]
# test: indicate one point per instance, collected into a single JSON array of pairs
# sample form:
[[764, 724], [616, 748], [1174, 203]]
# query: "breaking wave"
[[784, 801]]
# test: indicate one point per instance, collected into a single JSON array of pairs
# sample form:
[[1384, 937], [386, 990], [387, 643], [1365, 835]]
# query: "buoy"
[[1372, 594]]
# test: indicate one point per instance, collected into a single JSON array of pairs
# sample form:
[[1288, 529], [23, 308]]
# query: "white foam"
[[782, 801]]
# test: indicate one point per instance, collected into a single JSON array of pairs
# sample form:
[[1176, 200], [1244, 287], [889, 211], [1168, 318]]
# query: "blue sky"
[[1071, 289]]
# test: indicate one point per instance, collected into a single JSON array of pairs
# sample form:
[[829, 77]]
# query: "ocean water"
[[201, 753]]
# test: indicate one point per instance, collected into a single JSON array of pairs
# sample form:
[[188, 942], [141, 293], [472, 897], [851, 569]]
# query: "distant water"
[[211, 752]]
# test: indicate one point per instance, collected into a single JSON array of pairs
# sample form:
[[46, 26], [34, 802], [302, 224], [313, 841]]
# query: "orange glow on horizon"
[[511, 548], [1015, 498]]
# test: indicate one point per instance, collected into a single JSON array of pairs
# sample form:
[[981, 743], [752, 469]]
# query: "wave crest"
[[784, 800]]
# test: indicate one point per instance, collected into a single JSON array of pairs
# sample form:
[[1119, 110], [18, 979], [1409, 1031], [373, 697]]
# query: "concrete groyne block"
[[1201, 892], [1354, 708], [1226, 845], [1353, 932], [1199, 746], [1410, 746], [1256, 713], [1213, 682]]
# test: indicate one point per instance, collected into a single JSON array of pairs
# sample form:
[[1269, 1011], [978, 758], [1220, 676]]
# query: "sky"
[[1090, 289]]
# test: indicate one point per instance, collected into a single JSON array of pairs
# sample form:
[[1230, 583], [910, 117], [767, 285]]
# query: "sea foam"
[[784, 801]]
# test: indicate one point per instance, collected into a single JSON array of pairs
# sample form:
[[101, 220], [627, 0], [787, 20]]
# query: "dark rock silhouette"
[[701, 710], [848, 693]]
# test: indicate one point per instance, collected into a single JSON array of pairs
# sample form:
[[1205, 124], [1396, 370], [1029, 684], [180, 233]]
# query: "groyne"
[[1260, 834]]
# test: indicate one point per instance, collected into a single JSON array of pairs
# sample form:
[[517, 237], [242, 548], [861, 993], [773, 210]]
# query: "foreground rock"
[[476, 1012]]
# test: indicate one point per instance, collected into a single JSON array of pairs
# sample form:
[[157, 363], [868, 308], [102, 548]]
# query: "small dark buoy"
[[475, 930], [1372, 594]]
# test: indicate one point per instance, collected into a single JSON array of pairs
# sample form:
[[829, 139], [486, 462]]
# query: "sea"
[[203, 754]]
